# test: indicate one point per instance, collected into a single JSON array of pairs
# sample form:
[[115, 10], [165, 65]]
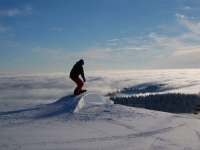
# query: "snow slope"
[[55, 126]]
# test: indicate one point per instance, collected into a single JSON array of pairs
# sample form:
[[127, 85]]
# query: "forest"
[[169, 102]]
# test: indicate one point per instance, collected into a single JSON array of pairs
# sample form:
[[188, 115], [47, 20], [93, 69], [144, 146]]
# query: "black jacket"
[[77, 70]]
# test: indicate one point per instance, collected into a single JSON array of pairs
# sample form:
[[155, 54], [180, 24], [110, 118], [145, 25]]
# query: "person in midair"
[[74, 75]]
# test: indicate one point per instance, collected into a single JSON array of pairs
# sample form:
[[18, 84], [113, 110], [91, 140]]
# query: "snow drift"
[[92, 98]]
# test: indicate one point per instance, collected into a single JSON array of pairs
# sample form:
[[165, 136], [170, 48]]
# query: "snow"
[[92, 98], [41, 122], [54, 126]]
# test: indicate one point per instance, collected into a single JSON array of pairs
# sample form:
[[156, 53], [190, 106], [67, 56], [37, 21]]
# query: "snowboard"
[[83, 91]]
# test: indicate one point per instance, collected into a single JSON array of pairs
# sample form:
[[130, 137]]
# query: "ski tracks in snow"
[[112, 125], [119, 137]]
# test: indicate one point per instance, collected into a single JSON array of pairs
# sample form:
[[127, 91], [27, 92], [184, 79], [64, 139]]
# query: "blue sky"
[[51, 35]]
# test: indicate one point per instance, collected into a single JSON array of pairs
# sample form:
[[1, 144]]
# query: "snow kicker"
[[92, 98]]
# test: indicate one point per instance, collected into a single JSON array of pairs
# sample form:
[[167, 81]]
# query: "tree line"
[[170, 102]]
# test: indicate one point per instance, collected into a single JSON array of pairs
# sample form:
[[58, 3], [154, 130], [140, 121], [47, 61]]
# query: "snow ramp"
[[92, 98]]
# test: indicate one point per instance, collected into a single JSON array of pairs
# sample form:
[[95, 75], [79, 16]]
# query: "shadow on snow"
[[65, 104]]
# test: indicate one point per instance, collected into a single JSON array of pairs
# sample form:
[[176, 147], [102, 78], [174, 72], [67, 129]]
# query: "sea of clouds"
[[50, 87]]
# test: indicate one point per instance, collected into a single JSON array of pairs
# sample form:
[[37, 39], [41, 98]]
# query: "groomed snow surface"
[[96, 124]]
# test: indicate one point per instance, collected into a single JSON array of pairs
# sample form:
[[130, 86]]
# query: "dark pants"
[[79, 83]]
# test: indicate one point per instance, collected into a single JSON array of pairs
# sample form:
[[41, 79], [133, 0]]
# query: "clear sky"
[[51, 35]]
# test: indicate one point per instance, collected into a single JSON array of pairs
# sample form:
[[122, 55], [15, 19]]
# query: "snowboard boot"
[[76, 94], [82, 91]]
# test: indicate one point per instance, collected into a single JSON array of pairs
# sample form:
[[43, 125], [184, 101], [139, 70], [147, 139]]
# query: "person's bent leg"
[[80, 84]]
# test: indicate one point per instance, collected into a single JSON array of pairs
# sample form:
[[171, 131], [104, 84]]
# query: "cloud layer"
[[51, 87]]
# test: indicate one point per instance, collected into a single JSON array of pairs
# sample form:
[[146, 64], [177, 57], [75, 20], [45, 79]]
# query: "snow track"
[[98, 125]]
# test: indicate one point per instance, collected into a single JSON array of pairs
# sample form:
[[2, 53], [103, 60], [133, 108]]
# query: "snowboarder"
[[74, 75]]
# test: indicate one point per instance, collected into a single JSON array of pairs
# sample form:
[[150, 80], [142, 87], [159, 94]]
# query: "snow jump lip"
[[92, 98]]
